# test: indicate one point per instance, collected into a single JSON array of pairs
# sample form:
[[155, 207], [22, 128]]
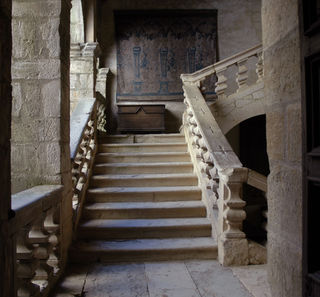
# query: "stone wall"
[[40, 151], [6, 243], [236, 19], [40, 67], [83, 65], [280, 32]]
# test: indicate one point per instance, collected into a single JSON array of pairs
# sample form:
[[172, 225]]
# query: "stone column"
[[282, 80], [83, 66], [89, 8], [41, 103], [6, 243]]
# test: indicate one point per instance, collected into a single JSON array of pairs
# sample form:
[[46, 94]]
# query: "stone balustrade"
[[220, 69], [83, 146], [221, 177], [101, 85], [36, 230], [221, 174]]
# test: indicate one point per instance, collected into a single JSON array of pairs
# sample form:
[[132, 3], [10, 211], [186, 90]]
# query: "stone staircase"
[[143, 203]]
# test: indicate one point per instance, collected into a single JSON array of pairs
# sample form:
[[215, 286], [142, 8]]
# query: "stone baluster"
[[26, 265], [259, 65], [242, 75], [221, 84], [211, 172], [232, 243], [101, 116], [39, 238], [53, 230]]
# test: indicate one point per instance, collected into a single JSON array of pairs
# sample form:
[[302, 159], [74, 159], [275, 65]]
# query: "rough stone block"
[[16, 99], [45, 69], [28, 131], [284, 266], [283, 15], [53, 158], [282, 70], [294, 133], [51, 98], [284, 200], [257, 253], [86, 81], [275, 135], [233, 252], [83, 65], [35, 8]]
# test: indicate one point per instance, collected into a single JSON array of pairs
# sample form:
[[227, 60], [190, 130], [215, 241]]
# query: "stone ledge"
[[30, 203], [78, 121]]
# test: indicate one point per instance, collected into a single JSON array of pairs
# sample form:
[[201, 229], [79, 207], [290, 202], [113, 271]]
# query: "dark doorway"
[[248, 140], [310, 44]]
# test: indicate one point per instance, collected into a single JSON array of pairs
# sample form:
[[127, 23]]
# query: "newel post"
[[232, 242]]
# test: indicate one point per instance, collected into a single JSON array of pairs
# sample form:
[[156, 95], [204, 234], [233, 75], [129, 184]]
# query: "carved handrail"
[[36, 229], [257, 180], [83, 146], [219, 69], [223, 174], [101, 96]]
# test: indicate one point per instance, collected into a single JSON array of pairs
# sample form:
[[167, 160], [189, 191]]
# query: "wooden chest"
[[141, 118]]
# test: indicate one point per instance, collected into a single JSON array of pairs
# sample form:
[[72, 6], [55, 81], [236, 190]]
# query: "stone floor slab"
[[169, 279], [254, 278], [127, 280], [213, 280], [73, 282]]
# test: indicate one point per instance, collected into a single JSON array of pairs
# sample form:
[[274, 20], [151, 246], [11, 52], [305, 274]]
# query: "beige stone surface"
[[281, 42], [204, 278], [254, 278], [257, 253]]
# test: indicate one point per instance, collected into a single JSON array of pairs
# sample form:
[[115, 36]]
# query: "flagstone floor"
[[204, 278]]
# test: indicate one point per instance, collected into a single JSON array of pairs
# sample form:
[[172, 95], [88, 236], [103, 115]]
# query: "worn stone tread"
[[145, 205], [127, 180], [144, 249], [145, 228], [143, 168], [141, 194], [144, 223]]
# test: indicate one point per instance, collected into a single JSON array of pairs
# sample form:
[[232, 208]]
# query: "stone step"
[[143, 194], [142, 157], [144, 210], [142, 147], [141, 180], [147, 228], [143, 138], [143, 168], [143, 250]]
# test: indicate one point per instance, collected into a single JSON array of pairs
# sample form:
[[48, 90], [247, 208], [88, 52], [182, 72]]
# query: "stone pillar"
[[83, 70], [6, 243], [41, 103], [76, 22], [89, 8], [282, 80], [232, 242]]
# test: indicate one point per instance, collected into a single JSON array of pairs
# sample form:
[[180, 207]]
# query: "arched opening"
[[248, 140]]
